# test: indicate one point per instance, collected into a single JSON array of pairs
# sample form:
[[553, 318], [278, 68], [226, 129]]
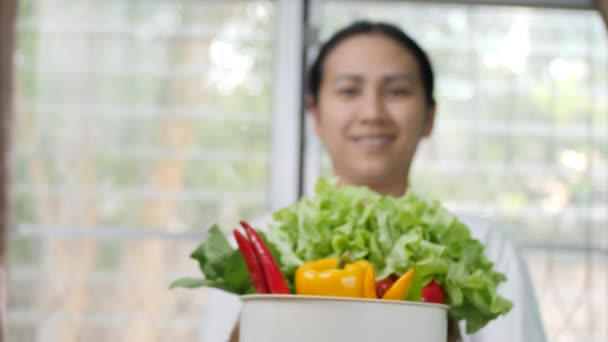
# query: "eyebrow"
[[398, 77], [348, 77], [386, 78]]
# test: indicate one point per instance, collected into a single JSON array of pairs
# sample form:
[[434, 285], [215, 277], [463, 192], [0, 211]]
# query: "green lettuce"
[[395, 234]]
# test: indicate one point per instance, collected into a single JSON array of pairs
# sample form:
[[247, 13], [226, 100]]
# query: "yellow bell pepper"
[[398, 290], [323, 278]]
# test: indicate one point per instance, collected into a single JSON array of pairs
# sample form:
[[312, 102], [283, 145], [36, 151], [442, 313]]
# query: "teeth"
[[373, 141]]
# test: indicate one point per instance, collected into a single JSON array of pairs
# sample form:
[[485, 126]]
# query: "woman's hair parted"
[[315, 74]]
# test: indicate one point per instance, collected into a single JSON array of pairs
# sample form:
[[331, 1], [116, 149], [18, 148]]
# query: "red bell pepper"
[[274, 278], [384, 284], [433, 293], [253, 266]]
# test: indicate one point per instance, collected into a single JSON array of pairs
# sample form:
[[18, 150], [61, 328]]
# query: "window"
[[521, 137], [139, 124]]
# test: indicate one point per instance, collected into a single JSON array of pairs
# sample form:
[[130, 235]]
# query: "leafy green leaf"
[[236, 274], [212, 254], [223, 267]]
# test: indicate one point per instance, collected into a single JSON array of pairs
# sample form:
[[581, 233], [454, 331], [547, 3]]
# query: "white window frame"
[[285, 168]]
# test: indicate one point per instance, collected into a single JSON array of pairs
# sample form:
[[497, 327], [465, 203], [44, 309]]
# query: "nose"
[[372, 107]]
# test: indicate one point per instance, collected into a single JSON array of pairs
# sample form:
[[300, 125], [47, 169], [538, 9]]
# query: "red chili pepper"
[[274, 278], [253, 266]]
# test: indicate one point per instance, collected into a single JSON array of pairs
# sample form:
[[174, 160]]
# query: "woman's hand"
[[234, 336], [453, 331]]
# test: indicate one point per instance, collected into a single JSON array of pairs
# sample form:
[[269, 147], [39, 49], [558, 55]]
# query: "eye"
[[349, 91], [398, 91]]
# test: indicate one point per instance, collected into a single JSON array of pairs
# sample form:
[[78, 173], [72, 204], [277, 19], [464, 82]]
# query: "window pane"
[[521, 137], [137, 121]]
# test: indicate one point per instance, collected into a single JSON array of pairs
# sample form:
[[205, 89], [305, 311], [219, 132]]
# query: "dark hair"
[[315, 74]]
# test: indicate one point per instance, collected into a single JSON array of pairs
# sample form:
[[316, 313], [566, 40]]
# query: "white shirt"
[[522, 323]]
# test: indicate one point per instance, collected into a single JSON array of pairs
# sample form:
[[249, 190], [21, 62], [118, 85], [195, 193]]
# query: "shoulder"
[[484, 228], [499, 245]]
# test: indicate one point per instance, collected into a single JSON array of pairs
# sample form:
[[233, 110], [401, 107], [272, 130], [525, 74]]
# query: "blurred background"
[[141, 123]]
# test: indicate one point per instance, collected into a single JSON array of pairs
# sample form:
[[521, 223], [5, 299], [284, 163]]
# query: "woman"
[[371, 99]]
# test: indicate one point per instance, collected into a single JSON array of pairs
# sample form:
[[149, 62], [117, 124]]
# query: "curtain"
[[7, 29]]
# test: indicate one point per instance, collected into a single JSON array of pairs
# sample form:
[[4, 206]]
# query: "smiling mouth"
[[374, 141]]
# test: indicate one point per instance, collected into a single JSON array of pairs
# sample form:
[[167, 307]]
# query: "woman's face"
[[371, 111]]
